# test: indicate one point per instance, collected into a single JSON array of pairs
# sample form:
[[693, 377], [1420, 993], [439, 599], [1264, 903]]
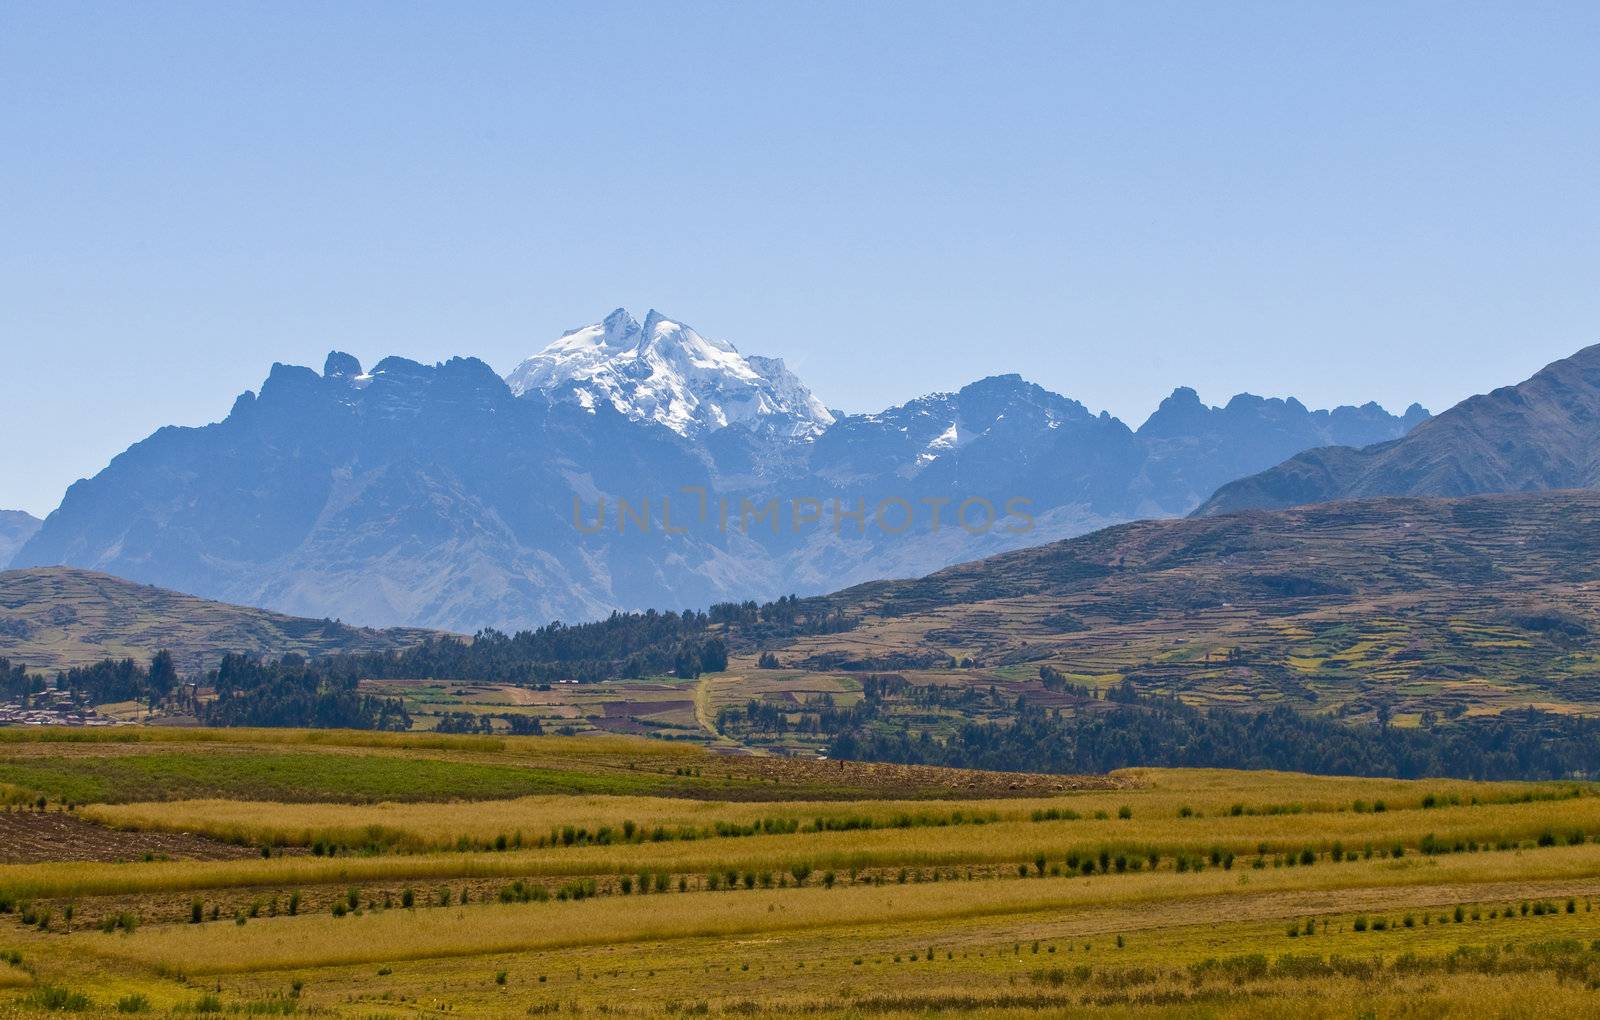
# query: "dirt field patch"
[[28, 837], [914, 781]]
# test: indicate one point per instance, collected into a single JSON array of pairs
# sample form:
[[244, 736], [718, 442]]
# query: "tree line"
[[296, 691], [1129, 728]]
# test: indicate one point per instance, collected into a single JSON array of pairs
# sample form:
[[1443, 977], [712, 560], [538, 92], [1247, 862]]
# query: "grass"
[[1118, 902], [956, 846], [144, 763], [309, 776], [887, 921], [1282, 810]]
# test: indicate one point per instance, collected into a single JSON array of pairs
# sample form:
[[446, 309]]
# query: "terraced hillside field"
[[1404, 606], [364, 875], [59, 617]]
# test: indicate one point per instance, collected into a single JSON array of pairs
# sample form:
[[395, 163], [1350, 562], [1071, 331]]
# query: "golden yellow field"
[[1161, 893]]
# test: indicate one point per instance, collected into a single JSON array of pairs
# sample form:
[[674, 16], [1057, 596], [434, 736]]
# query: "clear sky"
[[1343, 202]]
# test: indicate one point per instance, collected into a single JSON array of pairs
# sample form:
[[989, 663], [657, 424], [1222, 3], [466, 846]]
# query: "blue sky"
[[1342, 201]]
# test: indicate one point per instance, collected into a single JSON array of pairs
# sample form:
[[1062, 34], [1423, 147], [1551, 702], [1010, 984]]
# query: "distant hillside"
[[16, 527], [1543, 433], [1361, 608], [57, 617]]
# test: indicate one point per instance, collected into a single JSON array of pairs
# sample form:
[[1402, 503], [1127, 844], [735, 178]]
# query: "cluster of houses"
[[51, 708]]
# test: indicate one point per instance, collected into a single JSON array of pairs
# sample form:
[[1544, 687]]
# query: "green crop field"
[[194, 872]]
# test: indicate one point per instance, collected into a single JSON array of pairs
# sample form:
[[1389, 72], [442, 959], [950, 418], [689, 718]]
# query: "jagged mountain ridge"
[[446, 496], [1543, 433]]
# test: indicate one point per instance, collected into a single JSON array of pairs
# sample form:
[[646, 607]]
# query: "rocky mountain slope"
[[16, 527], [445, 496], [1543, 433]]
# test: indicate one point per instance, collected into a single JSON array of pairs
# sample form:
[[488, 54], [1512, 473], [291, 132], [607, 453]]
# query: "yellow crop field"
[[1155, 892]]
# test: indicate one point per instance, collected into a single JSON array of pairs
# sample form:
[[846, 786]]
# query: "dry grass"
[[1282, 810], [1145, 900], [959, 934]]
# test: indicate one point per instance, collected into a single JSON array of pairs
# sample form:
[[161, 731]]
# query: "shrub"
[[55, 997], [124, 921], [525, 892], [134, 1003]]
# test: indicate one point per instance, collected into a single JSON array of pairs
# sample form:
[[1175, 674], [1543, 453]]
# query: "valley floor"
[[363, 875]]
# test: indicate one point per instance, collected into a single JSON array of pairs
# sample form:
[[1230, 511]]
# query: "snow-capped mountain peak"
[[664, 371]]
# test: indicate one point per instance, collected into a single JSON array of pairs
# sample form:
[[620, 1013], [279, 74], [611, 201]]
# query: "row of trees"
[[16, 683], [293, 691], [290, 691], [1130, 729], [105, 681], [484, 722], [624, 645]]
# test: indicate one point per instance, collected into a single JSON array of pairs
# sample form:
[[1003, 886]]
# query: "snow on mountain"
[[663, 371]]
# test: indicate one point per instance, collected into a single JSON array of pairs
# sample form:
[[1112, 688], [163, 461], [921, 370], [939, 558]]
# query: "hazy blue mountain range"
[[16, 527], [1543, 433], [445, 495]]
